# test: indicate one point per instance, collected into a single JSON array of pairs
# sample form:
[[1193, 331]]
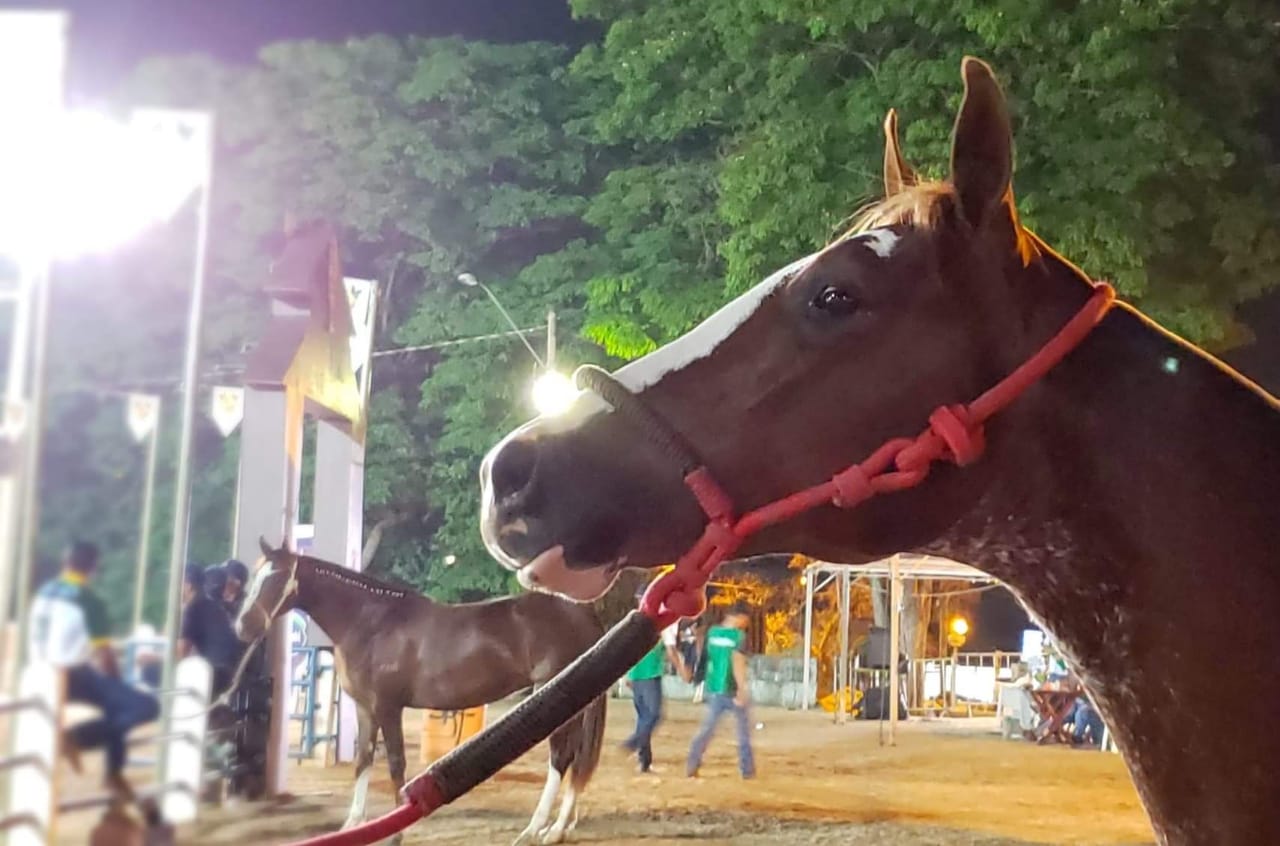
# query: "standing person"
[[645, 681], [69, 629], [207, 630], [237, 576], [726, 690]]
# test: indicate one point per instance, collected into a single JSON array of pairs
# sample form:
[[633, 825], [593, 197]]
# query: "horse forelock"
[[920, 205]]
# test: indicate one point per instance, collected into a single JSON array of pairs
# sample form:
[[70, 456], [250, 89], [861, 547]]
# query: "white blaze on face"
[[703, 340], [260, 577], [880, 241]]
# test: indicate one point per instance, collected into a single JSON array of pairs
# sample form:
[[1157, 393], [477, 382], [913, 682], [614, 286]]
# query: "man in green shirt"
[[645, 681], [726, 690]]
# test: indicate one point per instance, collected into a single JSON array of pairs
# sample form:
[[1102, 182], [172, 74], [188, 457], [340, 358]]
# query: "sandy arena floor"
[[952, 783]]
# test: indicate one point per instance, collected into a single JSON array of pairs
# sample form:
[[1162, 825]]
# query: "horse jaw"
[[550, 573]]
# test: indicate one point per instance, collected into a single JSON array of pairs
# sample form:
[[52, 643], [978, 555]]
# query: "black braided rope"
[[534, 719], [661, 433]]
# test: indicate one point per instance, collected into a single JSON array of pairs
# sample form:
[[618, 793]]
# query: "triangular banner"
[[142, 412], [227, 408]]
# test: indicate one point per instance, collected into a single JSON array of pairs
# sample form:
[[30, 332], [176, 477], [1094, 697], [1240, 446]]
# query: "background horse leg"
[[561, 757], [392, 722], [366, 741], [582, 741]]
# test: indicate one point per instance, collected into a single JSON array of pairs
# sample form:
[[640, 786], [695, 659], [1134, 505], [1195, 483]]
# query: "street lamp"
[[552, 391], [959, 626]]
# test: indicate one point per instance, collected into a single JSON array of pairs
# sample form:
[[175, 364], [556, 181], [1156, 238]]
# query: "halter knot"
[[964, 438], [715, 503], [853, 486], [671, 597]]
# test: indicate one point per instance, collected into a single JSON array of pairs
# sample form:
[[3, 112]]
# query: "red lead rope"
[[955, 434]]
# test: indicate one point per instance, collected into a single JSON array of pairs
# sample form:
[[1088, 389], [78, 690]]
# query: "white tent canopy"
[[896, 567]]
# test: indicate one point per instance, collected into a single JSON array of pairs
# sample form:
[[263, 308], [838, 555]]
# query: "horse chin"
[[551, 573]]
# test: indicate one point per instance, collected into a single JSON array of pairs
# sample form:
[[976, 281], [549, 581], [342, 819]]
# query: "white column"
[[895, 610], [268, 507], [339, 529]]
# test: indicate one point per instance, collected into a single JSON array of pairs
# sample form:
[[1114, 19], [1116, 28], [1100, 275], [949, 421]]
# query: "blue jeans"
[[718, 704], [122, 705], [647, 697], [1085, 719]]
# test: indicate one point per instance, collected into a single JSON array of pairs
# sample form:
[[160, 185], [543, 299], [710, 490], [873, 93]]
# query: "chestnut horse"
[[1128, 498], [395, 649]]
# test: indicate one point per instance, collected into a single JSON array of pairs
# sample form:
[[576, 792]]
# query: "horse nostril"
[[513, 469]]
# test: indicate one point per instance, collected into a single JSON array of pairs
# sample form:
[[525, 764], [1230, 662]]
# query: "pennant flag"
[[228, 408]]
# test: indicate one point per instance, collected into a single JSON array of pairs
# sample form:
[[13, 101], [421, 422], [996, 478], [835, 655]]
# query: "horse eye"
[[835, 301]]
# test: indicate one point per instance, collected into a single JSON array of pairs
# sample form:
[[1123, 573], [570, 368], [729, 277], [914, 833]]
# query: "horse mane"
[[356, 578]]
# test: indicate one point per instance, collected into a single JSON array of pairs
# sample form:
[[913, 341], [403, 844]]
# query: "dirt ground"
[[946, 783]]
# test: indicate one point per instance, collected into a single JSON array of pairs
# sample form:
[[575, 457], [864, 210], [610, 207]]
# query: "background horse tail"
[[590, 737]]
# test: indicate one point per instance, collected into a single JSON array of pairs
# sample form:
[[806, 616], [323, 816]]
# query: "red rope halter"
[[954, 434]]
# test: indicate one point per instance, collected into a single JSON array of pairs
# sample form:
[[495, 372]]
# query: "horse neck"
[[341, 602], [1135, 517]]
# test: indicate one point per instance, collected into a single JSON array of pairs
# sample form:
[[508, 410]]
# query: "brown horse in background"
[[396, 649]]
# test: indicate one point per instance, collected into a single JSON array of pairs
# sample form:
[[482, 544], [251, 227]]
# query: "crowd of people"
[[70, 628], [719, 669]]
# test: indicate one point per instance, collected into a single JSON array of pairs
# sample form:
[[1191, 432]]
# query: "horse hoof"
[[525, 839], [551, 835]]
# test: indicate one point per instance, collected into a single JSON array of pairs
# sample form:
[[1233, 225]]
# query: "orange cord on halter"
[[954, 434]]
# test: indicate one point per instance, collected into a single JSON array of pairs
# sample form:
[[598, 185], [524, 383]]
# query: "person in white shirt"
[[69, 628]]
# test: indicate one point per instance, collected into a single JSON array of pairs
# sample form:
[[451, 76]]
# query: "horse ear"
[[264, 546], [982, 146], [897, 173]]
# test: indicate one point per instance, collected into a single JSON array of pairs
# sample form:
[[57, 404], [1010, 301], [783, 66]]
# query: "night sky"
[[110, 37]]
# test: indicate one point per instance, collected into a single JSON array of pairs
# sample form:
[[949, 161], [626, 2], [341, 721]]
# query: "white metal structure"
[[896, 567]]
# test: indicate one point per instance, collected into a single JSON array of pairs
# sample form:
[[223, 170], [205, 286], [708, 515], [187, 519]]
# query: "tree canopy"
[[632, 188]]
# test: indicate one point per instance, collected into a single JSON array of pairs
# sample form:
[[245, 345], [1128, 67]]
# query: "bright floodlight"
[[553, 393], [83, 183], [960, 626]]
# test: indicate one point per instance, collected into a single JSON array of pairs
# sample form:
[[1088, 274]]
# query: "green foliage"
[[1139, 150]]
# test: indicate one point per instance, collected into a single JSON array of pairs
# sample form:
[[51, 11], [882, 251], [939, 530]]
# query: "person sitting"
[[1017, 711], [69, 628], [1086, 722], [207, 631]]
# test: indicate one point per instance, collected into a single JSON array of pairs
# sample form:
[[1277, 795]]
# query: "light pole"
[[144, 522], [33, 46], [201, 127], [552, 392]]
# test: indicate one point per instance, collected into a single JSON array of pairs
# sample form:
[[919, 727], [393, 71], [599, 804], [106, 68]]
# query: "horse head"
[[925, 302], [272, 591]]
